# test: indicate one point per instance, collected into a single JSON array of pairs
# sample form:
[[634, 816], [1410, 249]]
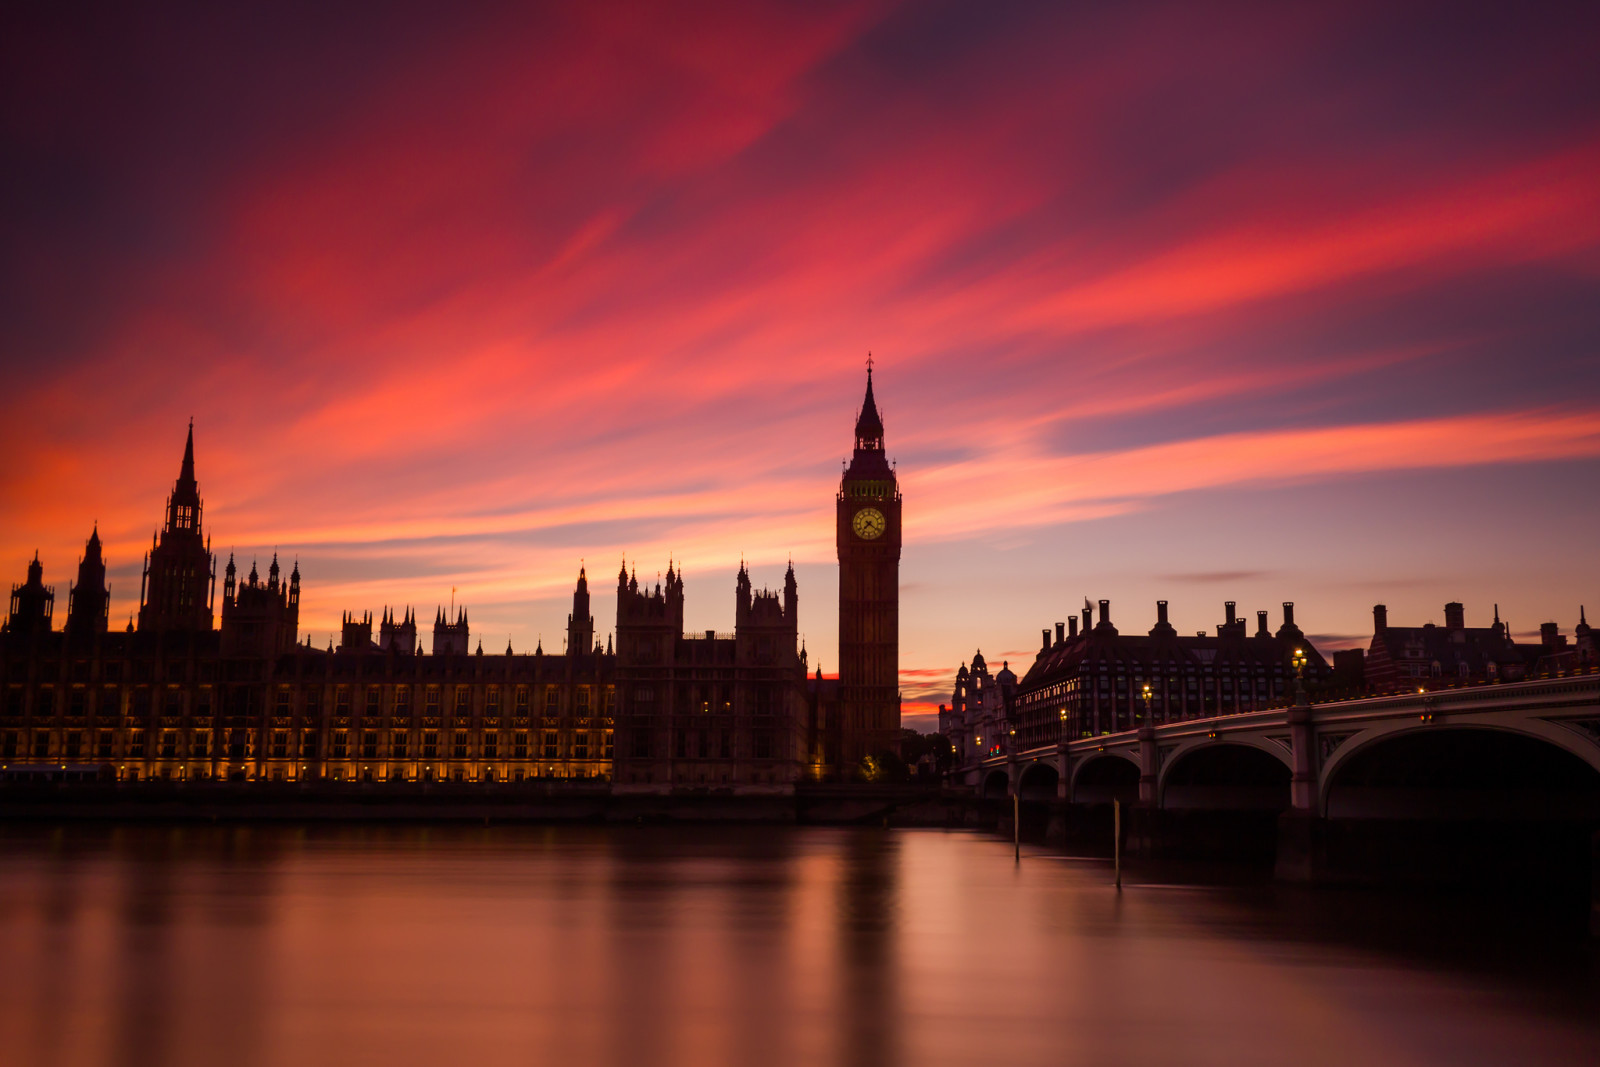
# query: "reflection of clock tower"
[[869, 597]]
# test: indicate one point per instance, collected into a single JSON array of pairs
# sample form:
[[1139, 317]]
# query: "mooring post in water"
[[1016, 824], [1116, 838]]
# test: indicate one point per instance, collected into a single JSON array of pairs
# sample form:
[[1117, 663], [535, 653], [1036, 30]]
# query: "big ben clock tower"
[[868, 529]]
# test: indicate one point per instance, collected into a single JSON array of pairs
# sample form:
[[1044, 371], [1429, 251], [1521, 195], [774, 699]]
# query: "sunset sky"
[[1190, 301]]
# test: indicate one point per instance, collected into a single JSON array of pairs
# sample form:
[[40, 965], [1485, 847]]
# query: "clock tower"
[[868, 531]]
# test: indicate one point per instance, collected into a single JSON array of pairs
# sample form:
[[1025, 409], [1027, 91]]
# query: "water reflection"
[[428, 945]]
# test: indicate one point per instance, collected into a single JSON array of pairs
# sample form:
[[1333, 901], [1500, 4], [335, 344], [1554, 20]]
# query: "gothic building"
[[179, 574], [89, 598], [709, 710], [33, 604], [183, 696], [868, 536]]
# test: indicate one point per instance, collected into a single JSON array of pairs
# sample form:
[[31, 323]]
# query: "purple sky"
[[1197, 302]]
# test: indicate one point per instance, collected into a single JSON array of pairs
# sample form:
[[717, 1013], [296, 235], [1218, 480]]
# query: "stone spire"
[[869, 425]]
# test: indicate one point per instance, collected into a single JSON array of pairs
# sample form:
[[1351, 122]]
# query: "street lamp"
[[1146, 695], [1300, 676]]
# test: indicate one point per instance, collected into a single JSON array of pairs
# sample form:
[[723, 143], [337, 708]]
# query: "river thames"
[[717, 945]]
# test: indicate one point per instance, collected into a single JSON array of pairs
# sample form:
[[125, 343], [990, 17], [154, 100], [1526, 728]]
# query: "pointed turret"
[[451, 637], [32, 603], [180, 574], [186, 472], [741, 598], [869, 424], [580, 623], [89, 599], [183, 507]]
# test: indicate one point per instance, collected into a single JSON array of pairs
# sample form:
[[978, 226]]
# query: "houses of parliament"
[[202, 689]]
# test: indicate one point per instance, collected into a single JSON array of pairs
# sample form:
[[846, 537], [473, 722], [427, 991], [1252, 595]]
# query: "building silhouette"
[[868, 536], [1090, 680], [185, 695], [1408, 657], [179, 572], [89, 598]]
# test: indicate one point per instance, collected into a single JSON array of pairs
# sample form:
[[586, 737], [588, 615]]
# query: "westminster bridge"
[[1458, 783]]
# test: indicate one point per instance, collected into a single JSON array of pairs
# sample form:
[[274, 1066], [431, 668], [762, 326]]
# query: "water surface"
[[717, 945]]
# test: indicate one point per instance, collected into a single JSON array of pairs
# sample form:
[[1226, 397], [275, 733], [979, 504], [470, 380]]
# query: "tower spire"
[[186, 474], [869, 425]]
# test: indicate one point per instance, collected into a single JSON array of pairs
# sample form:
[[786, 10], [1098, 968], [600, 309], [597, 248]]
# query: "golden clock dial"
[[869, 524]]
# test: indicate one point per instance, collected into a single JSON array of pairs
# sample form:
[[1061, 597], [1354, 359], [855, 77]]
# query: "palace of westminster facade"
[[180, 697]]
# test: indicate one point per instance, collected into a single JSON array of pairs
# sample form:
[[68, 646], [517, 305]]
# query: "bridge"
[[1426, 778]]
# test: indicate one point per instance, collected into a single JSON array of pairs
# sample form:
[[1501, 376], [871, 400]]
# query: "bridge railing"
[[1322, 695], [1425, 695]]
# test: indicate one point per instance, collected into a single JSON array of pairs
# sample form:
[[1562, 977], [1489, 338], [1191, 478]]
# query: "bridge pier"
[[1302, 834], [1149, 765]]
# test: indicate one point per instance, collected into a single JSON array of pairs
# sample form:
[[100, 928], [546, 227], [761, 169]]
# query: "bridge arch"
[[1208, 749], [1359, 747], [1503, 807], [1039, 780], [1462, 763], [1230, 773], [996, 785], [1104, 777]]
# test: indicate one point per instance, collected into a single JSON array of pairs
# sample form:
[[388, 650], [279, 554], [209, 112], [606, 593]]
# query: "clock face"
[[868, 524]]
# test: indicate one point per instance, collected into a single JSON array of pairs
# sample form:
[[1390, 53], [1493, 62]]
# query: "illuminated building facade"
[[179, 698], [709, 711]]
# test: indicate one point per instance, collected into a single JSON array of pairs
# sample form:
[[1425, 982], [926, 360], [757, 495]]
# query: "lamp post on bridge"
[[1147, 754], [1301, 842], [1303, 783]]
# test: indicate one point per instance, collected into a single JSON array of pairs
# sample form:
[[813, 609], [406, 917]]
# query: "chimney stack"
[[1230, 606], [1044, 645], [1088, 619], [1161, 613], [1551, 637], [1261, 625], [1380, 618], [1288, 613], [1105, 612], [1455, 616], [1072, 626]]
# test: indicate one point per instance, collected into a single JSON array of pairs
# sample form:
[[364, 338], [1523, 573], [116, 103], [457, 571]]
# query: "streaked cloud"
[[466, 302]]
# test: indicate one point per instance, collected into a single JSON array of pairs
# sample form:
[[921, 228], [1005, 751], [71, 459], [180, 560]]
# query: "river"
[[715, 945]]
